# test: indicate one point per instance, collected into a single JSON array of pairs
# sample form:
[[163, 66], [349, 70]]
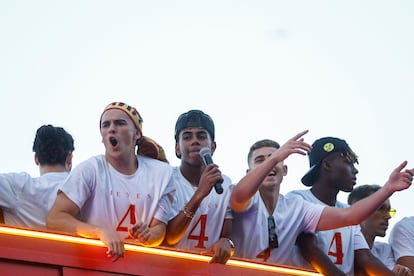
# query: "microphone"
[[206, 154]]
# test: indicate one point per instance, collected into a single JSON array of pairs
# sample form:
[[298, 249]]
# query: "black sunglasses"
[[271, 224]]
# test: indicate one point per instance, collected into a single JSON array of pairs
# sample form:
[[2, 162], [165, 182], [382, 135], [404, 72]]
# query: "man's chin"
[[382, 234]]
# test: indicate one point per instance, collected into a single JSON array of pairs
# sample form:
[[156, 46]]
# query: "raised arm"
[[62, 217], [178, 225], [339, 217], [250, 183]]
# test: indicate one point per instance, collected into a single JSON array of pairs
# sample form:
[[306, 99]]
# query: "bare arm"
[[339, 217], [178, 225], [62, 217], [368, 264], [316, 257], [250, 183]]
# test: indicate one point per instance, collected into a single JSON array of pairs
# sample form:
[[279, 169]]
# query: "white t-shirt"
[[339, 244], [402, 238], [109, 199], [292, 216], [27, 200], [383, 252], [205, 228]]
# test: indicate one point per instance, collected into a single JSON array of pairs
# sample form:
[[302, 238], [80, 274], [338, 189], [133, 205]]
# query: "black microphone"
[[206, 154]]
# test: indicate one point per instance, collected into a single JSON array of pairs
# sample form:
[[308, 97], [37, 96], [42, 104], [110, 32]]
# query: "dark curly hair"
[[52, 145]]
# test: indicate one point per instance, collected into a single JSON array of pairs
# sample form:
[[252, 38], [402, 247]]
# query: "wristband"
[[231, 247], [188, 213]]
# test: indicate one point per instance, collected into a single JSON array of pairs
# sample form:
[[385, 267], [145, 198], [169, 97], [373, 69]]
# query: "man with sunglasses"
[[257, 203], [332, 169], [377, 225]]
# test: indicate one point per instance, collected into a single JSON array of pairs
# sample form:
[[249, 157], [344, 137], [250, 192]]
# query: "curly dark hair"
[[52, 145]]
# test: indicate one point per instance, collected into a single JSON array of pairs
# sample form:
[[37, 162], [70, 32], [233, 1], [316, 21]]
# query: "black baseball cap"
[[322, 148], [194, 118]]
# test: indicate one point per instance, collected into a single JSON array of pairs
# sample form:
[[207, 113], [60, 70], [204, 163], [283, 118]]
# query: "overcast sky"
[[261, 69]]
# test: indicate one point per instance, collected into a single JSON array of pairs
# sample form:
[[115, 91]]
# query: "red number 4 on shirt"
[[335, 248], [129, 214]]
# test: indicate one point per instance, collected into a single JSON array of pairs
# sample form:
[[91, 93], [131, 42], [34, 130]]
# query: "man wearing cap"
[[332, 170], [201, 218], [257, 196], [120, 195]]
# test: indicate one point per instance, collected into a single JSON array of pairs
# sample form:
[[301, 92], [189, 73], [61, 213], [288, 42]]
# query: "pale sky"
[[260, 69]]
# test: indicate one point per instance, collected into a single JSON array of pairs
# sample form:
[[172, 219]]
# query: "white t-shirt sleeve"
[[11, 186], [359, 240], [313, 213], [402, 238], [163, 211], [384, 252], [76, 187]]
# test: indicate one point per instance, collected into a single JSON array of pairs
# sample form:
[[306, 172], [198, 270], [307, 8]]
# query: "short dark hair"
[[361, 192], [261, 144], [52, 145]]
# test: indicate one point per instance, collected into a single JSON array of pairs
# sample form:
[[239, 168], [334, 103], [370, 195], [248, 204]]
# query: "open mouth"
[[113, 141]]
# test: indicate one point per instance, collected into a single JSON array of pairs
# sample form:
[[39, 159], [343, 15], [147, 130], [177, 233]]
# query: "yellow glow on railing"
[[149, 250]]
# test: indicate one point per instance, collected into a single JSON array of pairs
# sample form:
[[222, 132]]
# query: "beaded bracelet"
[[188, 213]]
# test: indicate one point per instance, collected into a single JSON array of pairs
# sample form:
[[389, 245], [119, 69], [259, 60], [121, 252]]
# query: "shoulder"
[[91, 161], [404, 224], [227, 180], [298, 193], [341, 205], [382, 246], [153, 166], [16, 178], [298, 206], [153, 162]]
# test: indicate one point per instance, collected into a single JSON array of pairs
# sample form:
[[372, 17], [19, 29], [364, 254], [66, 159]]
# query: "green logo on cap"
[[328, 147]]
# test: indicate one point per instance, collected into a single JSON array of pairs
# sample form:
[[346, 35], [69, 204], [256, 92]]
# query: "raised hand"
[[209, 177], [296, 144], [400, 180]]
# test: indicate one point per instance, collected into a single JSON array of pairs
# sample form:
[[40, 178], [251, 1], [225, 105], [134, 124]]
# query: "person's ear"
[[326, 164], [138, 134], [285, 170], [36, 160], [177, 151], [213, 147], [69, 161]]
